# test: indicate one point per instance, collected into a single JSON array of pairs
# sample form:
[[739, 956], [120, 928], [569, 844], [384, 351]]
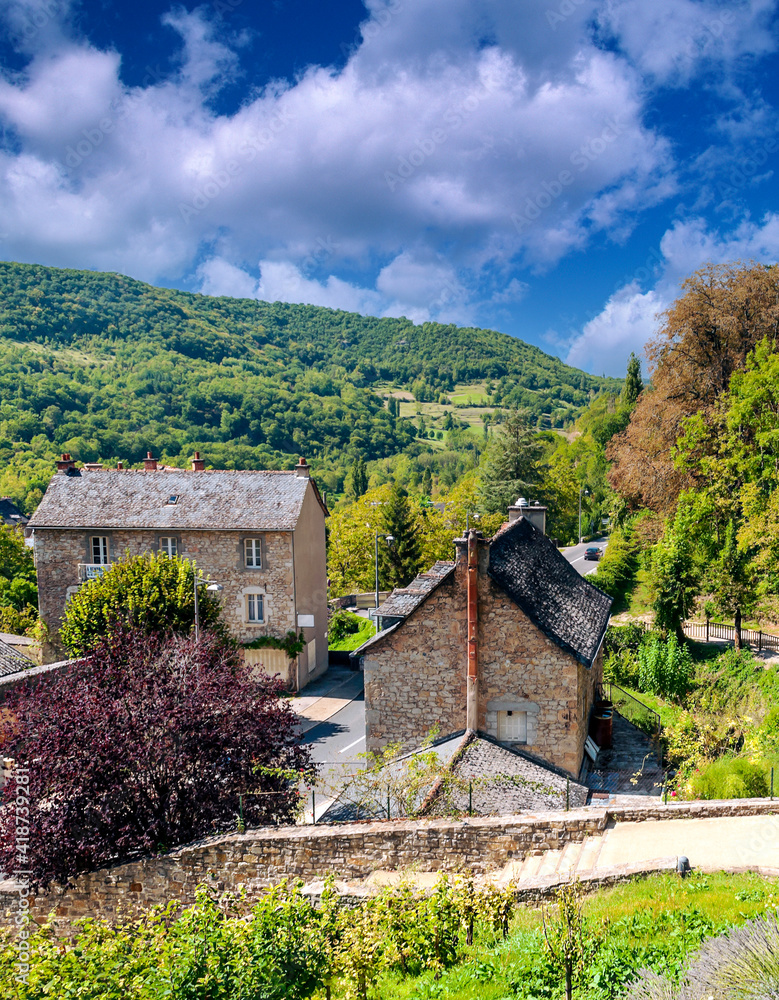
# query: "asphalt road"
[[335, 745], [575, 555]]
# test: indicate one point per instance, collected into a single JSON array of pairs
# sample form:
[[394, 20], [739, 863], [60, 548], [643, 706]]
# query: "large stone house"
[[505, 642], [260, 535]]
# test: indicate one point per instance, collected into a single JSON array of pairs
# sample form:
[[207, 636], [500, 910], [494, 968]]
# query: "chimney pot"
[[66, 463], [119, 466], [303, 469], [149, 463], [198, 463]]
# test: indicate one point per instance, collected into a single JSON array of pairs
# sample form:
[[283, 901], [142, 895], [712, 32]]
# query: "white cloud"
[[451, 137], [672, 40], [220, 277], [627, 321]]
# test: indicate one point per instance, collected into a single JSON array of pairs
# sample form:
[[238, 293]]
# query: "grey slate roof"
[[10, 513], [568, 610], [403, 600], [498, 780], [12, 662], [503, 780], [243, 501]]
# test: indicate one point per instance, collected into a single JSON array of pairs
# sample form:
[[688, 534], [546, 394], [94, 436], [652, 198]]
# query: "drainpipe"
[[472, 694]]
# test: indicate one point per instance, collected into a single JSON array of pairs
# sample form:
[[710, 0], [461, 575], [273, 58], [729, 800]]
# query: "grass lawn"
[[354, 639], [655, 922]]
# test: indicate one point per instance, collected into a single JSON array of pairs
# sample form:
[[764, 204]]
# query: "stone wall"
[[219, 554], [260, 858], [415, 677]]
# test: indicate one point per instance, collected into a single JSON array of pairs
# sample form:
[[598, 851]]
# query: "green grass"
[[355, 639], [655, 922]]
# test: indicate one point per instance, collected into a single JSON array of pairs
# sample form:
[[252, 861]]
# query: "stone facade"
[[292, 577], [415, 676], [260, 858]]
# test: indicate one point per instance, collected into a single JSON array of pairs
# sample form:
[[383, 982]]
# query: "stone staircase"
[[575, 859]]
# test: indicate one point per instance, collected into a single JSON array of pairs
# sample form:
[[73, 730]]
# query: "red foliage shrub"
[[144, 745]]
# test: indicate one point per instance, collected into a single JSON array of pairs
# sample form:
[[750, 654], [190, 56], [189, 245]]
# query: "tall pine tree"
[[511, 465], [399, 560], [358, 479]]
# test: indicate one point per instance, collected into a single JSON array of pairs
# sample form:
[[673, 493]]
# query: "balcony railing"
[[91, 571]]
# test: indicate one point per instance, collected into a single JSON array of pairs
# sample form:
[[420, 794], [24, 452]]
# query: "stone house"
[[505, 642], [260, 535]]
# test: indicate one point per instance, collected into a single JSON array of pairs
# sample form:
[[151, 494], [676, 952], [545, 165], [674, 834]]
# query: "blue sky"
[[549, 168]]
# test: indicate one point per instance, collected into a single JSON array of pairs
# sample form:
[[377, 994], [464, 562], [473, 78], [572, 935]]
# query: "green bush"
[[151, 591], [621, 638], [342, 624], [729, 777], [664, 667]]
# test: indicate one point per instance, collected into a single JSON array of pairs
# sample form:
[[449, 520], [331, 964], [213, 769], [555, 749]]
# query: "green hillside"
[[107, 367]]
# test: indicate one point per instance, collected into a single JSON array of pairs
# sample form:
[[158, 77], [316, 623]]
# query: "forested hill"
[[106, 367]]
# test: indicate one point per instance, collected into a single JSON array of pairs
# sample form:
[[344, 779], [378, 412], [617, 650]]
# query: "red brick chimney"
[[472, 690], [303, 469], [119, 466], [65, 463], [149, 463], [198, 463]]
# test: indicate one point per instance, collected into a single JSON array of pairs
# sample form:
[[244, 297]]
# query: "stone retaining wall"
[[259, 858]]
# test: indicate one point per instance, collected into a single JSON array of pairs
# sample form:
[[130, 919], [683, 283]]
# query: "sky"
[[552, 169]]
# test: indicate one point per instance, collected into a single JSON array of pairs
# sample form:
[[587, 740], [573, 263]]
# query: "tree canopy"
[[145, 744]]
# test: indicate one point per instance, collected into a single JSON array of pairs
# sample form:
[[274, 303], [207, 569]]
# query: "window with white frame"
[[169, 545], [512, 727], [255, 608], [252, 553], [100, 549]]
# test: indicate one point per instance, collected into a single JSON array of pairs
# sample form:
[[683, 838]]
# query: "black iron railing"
[[630, 708]]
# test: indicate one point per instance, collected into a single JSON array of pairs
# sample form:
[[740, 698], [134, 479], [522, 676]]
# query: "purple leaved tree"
[[146, 744]]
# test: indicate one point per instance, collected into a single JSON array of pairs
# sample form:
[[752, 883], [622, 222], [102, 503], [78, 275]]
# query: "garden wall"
[[260, 858]]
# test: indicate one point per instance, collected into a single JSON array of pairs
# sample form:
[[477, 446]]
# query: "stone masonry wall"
[[219, 554], [260, 858], [415, 679]]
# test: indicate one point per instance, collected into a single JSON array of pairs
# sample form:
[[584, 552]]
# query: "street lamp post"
[[586, 492], [210, 585], [389, 539]]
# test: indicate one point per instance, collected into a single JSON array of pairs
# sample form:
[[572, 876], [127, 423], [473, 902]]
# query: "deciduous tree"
[[145, 744]]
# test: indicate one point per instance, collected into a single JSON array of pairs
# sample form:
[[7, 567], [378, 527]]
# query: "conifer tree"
[[633, 384], [358, 479], [399, 560], [511, 466]]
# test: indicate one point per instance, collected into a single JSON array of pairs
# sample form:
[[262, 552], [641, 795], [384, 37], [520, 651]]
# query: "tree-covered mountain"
[[107, 367]]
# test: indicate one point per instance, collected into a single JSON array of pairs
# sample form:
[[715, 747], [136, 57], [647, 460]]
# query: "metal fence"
[[630, 708], [706, 631]]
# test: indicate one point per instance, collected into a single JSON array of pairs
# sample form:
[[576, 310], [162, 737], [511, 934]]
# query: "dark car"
[[593, 553]]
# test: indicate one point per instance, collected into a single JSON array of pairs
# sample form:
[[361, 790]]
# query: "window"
[[100, 549], [512, 727], [172, 499], [169, 546], [252, 550], [254, 608]]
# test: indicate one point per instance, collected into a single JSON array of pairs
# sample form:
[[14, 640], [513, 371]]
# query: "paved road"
[[575, 555]]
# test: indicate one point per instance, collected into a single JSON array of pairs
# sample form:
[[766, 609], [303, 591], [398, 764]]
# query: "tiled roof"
[[10, 513], [568, 610], [12, 662], [243, 501], [404, 600], [497, 780]]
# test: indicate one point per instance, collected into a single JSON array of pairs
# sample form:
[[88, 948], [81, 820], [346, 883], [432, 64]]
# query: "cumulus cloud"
[[461, 144], [629, 317]]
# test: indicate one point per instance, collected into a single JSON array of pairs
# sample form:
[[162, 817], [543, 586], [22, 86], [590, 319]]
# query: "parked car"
[[593, 552]]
